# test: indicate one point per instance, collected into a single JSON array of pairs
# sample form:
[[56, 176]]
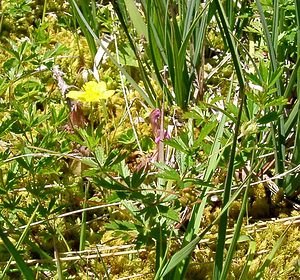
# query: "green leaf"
[[89, 162], [167, 172], [127, 137], [24, 268], [205, 130], [197, 182], [171, 214], [120, 225], [270, 117], [114, 157], [275, 77], [250, 257], [178, 144], [136, 18], [280, 101], [112, 185]]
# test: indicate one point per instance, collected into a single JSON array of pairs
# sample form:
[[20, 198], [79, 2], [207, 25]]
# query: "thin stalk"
[[126, 99], [21, 239], [83, 218], [44, 11], [227, 192], [292, 181], [239, 223], [228, 181], [278, 134], [198, 209]]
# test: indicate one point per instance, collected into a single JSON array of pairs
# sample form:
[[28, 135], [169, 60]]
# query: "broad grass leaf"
[[24, 268]]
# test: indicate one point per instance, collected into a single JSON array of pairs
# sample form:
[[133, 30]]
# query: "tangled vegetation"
[[149, 139]]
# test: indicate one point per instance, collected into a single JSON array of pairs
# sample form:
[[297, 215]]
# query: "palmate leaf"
[[167, 172], [121, 225], [114, 157], [270, 117], [110, 184], [168, 212]]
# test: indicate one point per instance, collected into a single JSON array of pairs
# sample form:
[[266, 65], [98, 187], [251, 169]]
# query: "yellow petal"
[[91, 96], [93, 92], [75, 94], [94, 86], [107, 94]]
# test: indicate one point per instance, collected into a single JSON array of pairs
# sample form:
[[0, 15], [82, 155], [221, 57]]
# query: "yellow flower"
[[92, 92]]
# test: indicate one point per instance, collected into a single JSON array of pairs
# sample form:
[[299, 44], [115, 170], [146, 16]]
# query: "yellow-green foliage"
[[126, 265], [285, 264]]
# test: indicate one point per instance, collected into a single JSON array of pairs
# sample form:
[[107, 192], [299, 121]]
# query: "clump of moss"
[[284, 264], [260, 206], [126, 265]]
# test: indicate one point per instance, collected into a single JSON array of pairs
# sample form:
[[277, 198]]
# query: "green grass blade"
[[238, 225], [292, 118], [21, 239], [150, 100], [88, 36], [182, 254], [136, 19], [227, 190], [250, 257], [218, 266], [24, 268], [275, 29], [268, 38], [198, 209], [231, 43], [82, 239], [292, 79], [292, 181], [278, 141]]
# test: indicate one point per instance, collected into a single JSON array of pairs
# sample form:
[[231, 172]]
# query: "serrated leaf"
[[208, 127], [171, 214], [167, 172], [178, 144], [270, 117], [275, 76], [120, 225], [89, 162], [112, 185]]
